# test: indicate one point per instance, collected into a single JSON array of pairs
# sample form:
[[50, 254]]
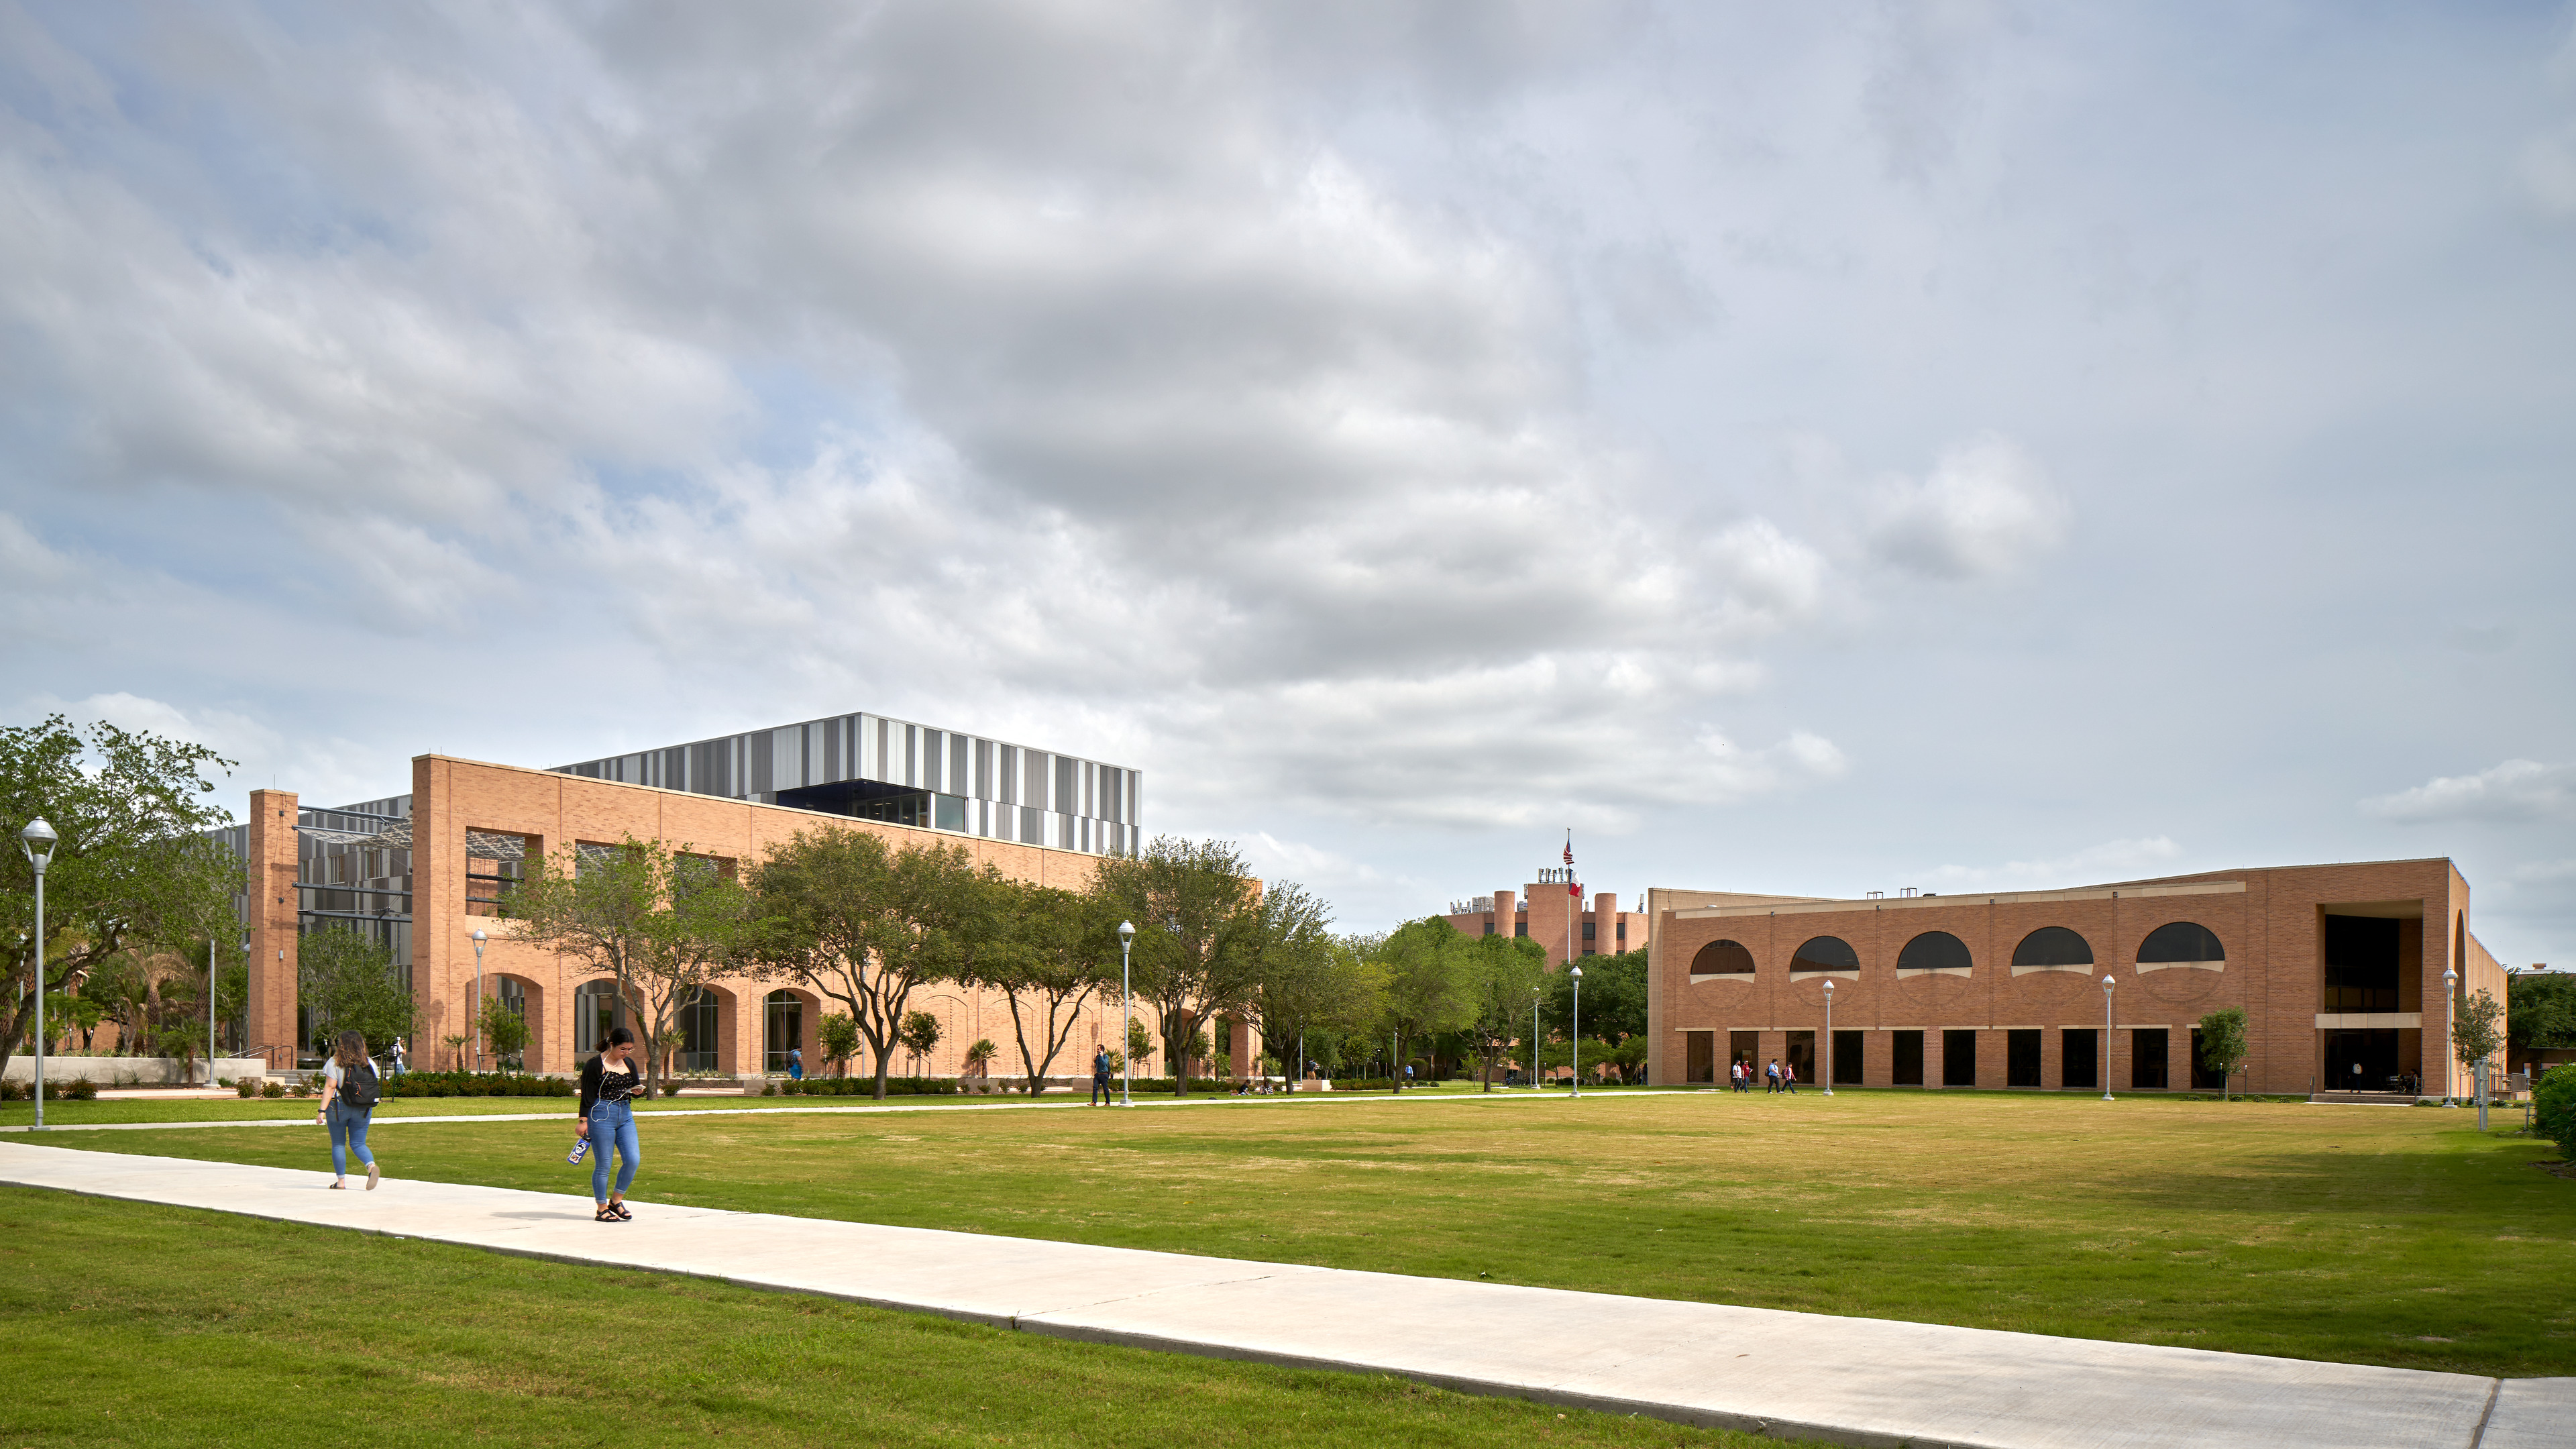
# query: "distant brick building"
[[2339, 969], [1547, 911]]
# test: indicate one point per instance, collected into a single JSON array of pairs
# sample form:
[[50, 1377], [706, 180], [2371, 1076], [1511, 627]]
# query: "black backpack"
[[358, 1086]]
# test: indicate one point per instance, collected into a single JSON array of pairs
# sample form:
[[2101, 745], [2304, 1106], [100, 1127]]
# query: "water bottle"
[[580, 1150]]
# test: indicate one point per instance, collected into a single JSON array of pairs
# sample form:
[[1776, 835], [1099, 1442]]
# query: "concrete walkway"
[[1793, 1375]]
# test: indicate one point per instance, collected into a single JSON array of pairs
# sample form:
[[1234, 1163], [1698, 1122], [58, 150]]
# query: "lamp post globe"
[[1829, 1037], [2104, 1055], [1576, 1038], [2450, 1010], [38, 840], [1126, 1016]]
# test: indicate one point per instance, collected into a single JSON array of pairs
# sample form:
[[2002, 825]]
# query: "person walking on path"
[[400, 1066], [795, 1064], [1099, 1078], [607, 1081], [1789, 1079], [1772, 1078], [349, 1093]]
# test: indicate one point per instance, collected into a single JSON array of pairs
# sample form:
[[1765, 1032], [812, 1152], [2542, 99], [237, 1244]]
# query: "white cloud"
[[1986, 509], [2514, 790], [2111, 860], [2547, 169]]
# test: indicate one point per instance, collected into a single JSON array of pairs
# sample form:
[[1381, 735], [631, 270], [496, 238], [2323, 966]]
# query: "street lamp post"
[[37, 840], [2103, 1057], [2450, 1008], [1829, 1037], [1577, 1037], [1126, 1017], [210, 1008], [476, 1025]]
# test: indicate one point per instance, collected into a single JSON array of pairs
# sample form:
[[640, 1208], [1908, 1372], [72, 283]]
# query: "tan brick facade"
[[551, 810], [1555, 917], [2270, 923]]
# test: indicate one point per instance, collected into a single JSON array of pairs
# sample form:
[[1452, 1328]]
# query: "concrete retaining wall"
[[121, 1071]]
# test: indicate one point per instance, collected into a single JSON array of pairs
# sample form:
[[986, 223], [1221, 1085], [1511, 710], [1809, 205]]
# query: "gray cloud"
[[2514, 790]]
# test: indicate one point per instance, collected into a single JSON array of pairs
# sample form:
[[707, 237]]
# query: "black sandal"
[[623, 1215], [606, 1214]]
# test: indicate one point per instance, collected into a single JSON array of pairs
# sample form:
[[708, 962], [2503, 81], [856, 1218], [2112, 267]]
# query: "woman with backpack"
[[607, 1081], [349, 1093]]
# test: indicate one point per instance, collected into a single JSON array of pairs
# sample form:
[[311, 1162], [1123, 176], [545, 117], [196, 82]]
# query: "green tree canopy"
[[1198, 947], [1509, 974], [2223, 1047], [134, 868], [1430, 983], [348, 982], [2540, 1010]]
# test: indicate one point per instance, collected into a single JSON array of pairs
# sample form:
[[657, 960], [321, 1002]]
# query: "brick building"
[[423, 871], [2339, 969], [1549, 912]]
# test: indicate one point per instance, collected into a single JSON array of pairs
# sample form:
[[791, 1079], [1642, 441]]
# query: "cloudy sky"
[[1816, 448]]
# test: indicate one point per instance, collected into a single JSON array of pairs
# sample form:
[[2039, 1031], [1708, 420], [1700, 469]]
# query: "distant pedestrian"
[[402, 1063], [1789, 1079], [1099, 1078], [1771, 1077], [607, 1081], [795, 1064], [348, 1101]]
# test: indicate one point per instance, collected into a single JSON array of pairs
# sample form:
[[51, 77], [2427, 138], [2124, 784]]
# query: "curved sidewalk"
[[1794, 1375]]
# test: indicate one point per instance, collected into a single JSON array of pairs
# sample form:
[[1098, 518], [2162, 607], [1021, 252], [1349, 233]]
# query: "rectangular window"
[[1520, 928], [1906, 1057], [951, 812], [1848, 1058], [1587, 930], [2078, 1059], [1802, 1056], [1700, 1059], [495, 863], [2147, 1057], [2021, 1058], [1588, 951], [1489, 925], [1958, 1058], [1623, 933]]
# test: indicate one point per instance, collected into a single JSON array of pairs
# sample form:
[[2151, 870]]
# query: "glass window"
[[952, 812], [1825, 953], [1722, 958], [2053, 946], [784, 1019], [1934, 951], [495, 863], [697, 1022], [594, 1013], [2181, 941]]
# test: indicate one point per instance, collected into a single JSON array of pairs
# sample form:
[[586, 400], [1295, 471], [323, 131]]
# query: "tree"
[[1198, 942], [349, 982], [662, 922], [864, 926], [2222, 1044], [1309, 984], [134, 867], [505, 1032], [1058, 949], [979, 1057], [838, 1038], [2477, 1028], [1507, 974], [2540, 1010], [1614, 1001], [1430, 983], [2553, 1107], [919, 1035]]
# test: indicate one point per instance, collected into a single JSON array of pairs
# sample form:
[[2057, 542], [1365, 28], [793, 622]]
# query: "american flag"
[[1573, 887]]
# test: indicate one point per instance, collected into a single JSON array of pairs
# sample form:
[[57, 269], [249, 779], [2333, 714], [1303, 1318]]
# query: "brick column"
[[273, 868]]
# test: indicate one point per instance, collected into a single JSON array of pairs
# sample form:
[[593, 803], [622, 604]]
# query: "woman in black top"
[[607, 1080]]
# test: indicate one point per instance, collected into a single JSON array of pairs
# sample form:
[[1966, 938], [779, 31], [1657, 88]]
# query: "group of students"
[[1740, 1075], [351, 1088]]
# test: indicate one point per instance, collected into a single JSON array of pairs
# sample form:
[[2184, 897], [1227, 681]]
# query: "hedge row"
[[863, 1087], [478, 1084]]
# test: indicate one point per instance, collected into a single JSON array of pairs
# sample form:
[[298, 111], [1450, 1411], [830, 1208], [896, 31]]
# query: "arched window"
[[1722, 958], [785, 1011], [2181, 943], [1934, 951], [697, 1020], [2052, 946], [1825, 953]]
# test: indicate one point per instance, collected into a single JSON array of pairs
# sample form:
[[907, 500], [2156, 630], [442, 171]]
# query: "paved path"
[[1796, 1375]]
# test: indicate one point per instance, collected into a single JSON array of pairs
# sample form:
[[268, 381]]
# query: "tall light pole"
[[1829, 1036], [1126, 1016], [1577, 1037], [2103, 1057], [2450, 1009], [210, 1008], [476, 1024], [1533, 1051], [37, 840]]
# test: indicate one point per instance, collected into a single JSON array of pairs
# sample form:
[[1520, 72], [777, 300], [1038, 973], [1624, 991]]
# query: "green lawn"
[[2373, 1235], [132, 1324]]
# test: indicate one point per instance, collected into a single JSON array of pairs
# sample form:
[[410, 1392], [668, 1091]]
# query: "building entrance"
[[1801, 1064], [2362, 1061], [1702, 1065]]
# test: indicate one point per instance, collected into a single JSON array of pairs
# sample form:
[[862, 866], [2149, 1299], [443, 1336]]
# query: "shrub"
[[79, 1089], [12, 1092], [246, 1087], [769, 1089], [2553, 1107], [272, 1089]]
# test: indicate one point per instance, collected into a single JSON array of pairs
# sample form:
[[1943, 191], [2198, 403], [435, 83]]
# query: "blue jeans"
[[348, 1134], [1099, 1089], [612, 1124]]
